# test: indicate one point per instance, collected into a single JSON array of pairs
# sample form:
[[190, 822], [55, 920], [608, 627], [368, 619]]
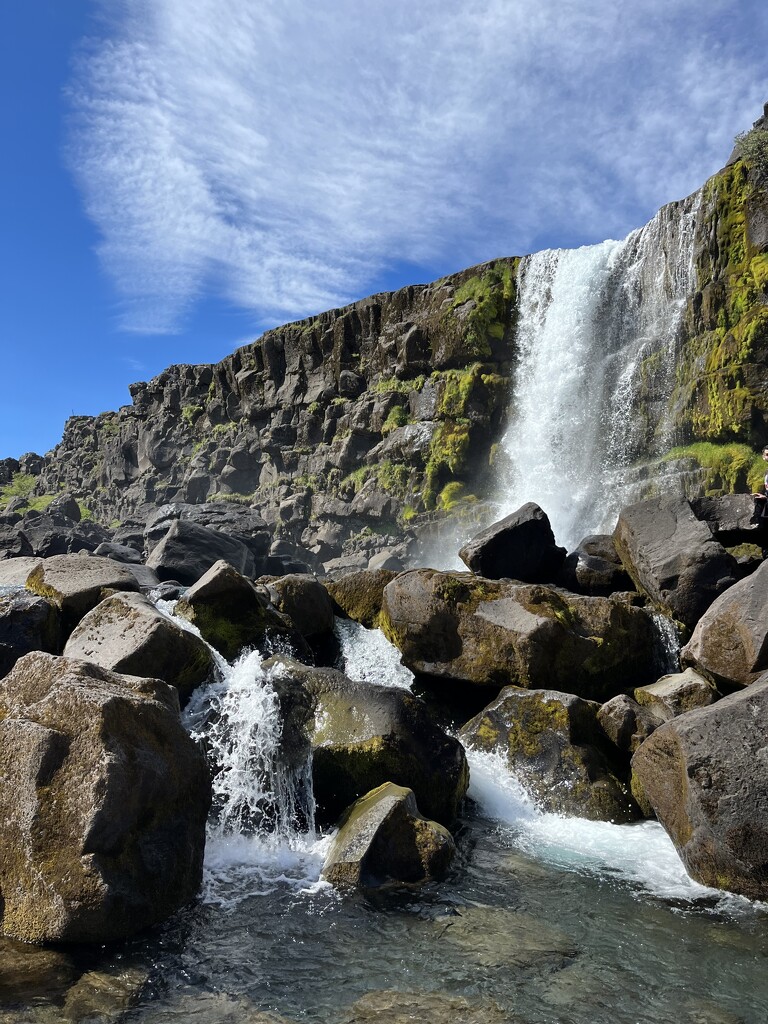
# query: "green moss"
[[21, 486], [314, 408], [189, 413], [388, 385], [237, 499], [492, 296], [447, 458], [453, 495], [729, 467], [397, 417], [222, 429]]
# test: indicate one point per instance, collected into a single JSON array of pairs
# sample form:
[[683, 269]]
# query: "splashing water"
[[594, 325], [369, 657]]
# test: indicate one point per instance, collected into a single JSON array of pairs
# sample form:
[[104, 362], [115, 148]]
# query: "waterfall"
[[596, 340]]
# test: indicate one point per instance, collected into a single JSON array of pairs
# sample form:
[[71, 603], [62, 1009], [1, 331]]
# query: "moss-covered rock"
[[493, 633], [358, 595], [383, 838], [551, 741], [364, 736]]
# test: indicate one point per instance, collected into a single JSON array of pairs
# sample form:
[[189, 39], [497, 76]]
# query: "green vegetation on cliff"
[[728, 468]]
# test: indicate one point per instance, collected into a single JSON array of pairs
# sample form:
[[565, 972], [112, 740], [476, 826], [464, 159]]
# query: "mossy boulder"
[[76, 583], [232, 614], [704, 775], [358, 595], [364, 735], [676, 693], [305, 601], [552, 742], [730, 642], [126, 633], [104, 799], [493, 633], [383, 838]]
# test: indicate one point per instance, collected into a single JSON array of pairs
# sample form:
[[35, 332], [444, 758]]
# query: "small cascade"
[[367, 656], [596, 336], [667, 644]]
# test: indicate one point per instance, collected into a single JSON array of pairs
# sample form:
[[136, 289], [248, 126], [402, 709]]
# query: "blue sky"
[[179, 175]]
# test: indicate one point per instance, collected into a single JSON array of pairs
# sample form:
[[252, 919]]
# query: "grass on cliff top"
[[729, 468]]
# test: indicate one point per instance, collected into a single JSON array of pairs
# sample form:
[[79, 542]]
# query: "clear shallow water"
[[552, 919]]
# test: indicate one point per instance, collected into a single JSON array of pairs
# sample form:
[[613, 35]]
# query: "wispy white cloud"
[[282, 154]]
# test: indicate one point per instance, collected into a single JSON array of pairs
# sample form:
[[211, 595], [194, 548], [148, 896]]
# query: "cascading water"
[[597, 328]]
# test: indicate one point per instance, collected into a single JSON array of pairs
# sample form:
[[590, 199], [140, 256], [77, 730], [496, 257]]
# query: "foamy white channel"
[[369, 657]]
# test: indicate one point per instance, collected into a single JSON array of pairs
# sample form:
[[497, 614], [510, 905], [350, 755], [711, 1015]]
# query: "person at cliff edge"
[[761, 510]]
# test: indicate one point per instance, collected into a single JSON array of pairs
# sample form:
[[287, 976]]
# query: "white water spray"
[[597, 327]]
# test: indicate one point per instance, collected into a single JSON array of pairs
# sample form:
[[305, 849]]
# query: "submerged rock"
[[126, 633], [496, 937], [551, 741], [104, 799], [497, 633], [434, 1007], [704, 775], [364, 735], [383, 838], [673, 557], [520, 547]]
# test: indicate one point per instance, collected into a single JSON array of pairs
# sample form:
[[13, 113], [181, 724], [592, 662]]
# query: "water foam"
[[369, 657]]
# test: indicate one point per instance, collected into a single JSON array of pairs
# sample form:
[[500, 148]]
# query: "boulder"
[[552, 743], [600, 545], [674, 694], [305, 601], [187, 552], [673, 558], [104, 799], [520, 547], [76, 583], [383, 838], [387, 559], [495, 633], [237, 521], [66, 505], [14, 572], [54, 533], [626, 723], [232, 614], [27, 623], [364, 735], [126, 633], [704, 775], [120, 552], [590, 574], [730, 641], [359, 595], [730, 517]]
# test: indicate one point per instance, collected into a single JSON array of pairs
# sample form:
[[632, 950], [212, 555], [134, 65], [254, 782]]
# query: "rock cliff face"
[[350, 430]]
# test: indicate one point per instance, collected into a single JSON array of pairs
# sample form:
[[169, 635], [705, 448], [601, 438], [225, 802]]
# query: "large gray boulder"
[[383, 838], [103, 798], [54, 533], [552, 742], [364, 735], [305, 601], [521, 547], [495, 633], [232, 614], [676, 693], [730, 641], [626, 723], [27, 623], [673, 558], [126, 633], [77, 583], [704, 776], [187, 552], [237, 521]]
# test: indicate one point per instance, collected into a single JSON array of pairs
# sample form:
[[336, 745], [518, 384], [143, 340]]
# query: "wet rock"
[[551, 741], [589, 574], [383, 838], [147, 578], [27, 623], [364, 735], [305, 601], [600, 545], [359, 595], [126, 633], [435, 1007], [673, 557], [102, 997], [626, 723], [28, 970], [495, 633], [104, 799], [730, 642], [520, 547], [232, 614], [704, 775], [674, 694], [75, 584], [187, 552], [209, 1008]]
